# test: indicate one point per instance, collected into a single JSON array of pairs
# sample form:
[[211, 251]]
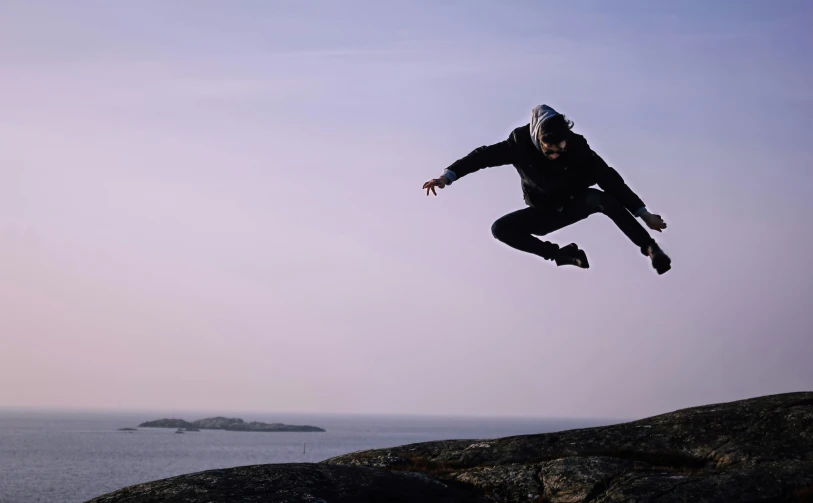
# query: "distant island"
[[225, 423]]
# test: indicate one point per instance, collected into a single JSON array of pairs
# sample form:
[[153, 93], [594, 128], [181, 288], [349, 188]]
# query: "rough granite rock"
[[759, 449], [574, 479]]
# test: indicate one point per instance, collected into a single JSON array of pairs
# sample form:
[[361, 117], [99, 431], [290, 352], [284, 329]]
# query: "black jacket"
[[546, 183]]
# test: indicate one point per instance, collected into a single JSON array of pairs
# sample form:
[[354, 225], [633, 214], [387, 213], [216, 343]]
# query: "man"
[[557, 169]]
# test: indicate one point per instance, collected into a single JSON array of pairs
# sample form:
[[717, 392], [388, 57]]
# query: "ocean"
[[70, 457]]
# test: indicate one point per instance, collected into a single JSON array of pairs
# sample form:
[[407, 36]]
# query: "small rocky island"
[[759, 449], [226, 423]]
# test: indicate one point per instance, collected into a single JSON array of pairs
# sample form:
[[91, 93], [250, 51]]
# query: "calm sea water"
[[71, 457]]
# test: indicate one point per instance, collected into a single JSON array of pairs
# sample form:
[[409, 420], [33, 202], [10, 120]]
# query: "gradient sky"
[[218, 206]]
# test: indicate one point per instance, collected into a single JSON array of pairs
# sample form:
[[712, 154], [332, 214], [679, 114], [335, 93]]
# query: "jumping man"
[[557, 169]]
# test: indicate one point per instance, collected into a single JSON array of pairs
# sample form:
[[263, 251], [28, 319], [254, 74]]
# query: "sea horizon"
[[251, 415]]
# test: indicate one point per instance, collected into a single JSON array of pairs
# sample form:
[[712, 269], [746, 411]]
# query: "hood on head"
[[538, 115]]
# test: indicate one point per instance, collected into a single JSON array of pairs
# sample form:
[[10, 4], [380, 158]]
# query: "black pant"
[[518, 229]]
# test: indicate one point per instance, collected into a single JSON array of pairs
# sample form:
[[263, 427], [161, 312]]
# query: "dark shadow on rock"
[[295, 483]]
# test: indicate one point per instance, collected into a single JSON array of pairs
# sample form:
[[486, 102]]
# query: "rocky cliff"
[[759, 449]]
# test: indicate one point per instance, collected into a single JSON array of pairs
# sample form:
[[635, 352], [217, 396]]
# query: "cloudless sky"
[[217, 205]]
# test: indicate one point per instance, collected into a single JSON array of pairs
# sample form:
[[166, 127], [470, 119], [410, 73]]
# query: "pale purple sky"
[[218, 206]]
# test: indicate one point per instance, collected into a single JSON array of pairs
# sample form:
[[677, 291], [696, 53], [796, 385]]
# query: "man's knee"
[[507, 228], [517, 225], [501, 230]]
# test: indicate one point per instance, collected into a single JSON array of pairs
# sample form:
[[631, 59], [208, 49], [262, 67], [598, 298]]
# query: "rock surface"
[[751, 450], [759, 449], [226, 423]]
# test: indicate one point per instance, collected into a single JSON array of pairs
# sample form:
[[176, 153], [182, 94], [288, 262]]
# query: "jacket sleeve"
[[612, 183], [486, 156]]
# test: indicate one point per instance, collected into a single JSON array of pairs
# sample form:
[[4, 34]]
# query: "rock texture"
[[226, 423], [752, 450], [759, 449]]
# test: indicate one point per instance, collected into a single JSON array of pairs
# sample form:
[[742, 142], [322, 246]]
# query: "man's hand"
[[654, 222], [435, 182]]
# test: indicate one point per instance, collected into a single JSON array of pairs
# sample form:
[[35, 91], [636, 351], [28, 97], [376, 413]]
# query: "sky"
[[218, 206]]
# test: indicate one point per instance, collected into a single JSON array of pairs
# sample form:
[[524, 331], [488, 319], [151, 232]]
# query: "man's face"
[[553, 150]]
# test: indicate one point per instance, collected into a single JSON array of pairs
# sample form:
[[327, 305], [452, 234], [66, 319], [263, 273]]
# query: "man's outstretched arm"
[[612, 183], [486, 156]]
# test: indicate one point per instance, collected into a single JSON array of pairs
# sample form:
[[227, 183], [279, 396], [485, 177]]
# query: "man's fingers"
[[431, 184]]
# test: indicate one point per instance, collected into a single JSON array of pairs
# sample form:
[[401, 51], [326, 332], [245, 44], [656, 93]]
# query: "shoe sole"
[[583, 258]]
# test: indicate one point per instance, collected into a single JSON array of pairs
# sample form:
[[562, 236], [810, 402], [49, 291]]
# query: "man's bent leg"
[[516, 229]]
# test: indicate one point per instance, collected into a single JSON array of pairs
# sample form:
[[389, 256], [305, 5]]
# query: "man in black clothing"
[[557, 169]]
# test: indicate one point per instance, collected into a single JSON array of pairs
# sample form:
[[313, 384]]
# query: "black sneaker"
[[660, 261], [572, 255]]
